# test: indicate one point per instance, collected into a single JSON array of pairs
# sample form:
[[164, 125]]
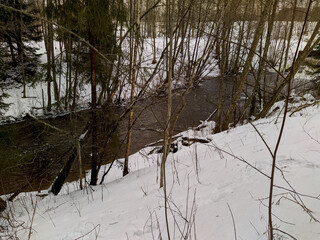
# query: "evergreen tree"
[[100, 18], [16, 30], [96, 22]]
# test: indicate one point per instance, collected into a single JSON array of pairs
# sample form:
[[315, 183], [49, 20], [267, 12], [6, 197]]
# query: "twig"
[[277, 229], [240, 159], [303, 107], [234, 225], [33, 214], [88, 232], [274, 158], [211, 115], [104, 174], [262, 138], [264, 174], [49, 125]]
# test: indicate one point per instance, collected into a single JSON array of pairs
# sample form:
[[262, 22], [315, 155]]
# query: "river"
[[32, 154]]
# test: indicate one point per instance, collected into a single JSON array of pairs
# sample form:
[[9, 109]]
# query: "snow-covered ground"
[[215, 190]]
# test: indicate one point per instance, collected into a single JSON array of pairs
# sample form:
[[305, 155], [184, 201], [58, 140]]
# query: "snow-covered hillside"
[[215, 191]]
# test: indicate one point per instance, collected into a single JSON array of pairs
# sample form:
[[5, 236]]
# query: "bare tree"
[[274, 155], [134, 76], [246, 68]]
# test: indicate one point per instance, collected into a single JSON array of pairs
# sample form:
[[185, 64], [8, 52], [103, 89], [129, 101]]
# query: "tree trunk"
[[94, 169], [61, 178], [22, 54], [166, 137], [53, 65], [48, 49], [154, 33], [49, 80], [13, 57], [222, 64], [265, 55], [133, 81], [247, 65], [75, 84]]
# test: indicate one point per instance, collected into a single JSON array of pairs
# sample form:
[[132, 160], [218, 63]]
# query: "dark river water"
[[32, 154], [201, 101]]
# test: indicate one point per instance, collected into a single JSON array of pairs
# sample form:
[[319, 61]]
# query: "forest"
[[159, 119]]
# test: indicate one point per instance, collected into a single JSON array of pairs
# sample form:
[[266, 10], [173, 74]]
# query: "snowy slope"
[[207, 188]]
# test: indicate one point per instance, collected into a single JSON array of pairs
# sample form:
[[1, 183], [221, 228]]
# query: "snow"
[[208, 185]]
